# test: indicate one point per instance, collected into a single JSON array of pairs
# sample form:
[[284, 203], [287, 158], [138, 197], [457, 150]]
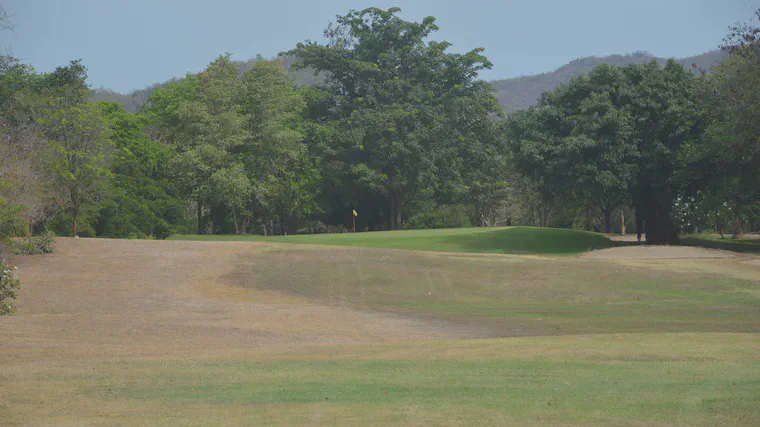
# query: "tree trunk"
[[587, 218], [282, 224], [545, 214], [607, 220], [212, 216], [660, 229], [246, 225], [74, 225], [200, 216], [291, 225], [739, 230], [395, 210], [719, 227], [235, 221], [622, 221]]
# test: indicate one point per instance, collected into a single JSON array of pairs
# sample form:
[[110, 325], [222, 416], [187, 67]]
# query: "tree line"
[[681, 149], [396, 127]]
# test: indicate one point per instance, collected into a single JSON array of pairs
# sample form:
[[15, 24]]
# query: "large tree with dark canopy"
[[611, 137], [392, 98], [579, 141], [664, 110]]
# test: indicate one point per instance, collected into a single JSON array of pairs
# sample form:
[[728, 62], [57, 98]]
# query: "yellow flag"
[[355, 214]]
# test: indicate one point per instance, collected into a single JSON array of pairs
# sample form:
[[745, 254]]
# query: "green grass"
[[501, 240], [655, 379], [745, 245], [518, 295]]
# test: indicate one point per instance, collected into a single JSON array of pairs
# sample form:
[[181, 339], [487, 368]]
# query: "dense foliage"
[[681, 150], [392, 125]]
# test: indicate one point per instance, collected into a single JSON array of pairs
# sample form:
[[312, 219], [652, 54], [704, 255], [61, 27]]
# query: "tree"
[[205, 125], [276, 160], [579, 141], [733, 133], [141, 201], [389, 90], [22, 176], [231, 187], [663, 105], [599, 155], [78, 137], [614, 134], [5, 23]]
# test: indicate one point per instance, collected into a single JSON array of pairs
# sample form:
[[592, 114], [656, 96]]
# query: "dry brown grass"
[[102, 317]]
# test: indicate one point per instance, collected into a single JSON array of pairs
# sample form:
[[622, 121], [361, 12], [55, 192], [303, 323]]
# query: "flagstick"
[[353, 217]]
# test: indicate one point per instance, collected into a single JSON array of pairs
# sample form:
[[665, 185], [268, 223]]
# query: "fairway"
[[360, 330]]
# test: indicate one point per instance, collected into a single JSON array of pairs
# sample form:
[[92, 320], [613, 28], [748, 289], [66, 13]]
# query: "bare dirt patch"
[[657, 252], [625, 237]]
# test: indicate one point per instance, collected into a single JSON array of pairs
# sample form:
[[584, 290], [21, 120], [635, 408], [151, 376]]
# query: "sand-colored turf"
[[657, 252], [117, 293], [114, 332]]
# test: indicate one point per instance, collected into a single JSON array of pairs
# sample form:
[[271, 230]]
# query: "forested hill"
[[522, 92], [513, 94]]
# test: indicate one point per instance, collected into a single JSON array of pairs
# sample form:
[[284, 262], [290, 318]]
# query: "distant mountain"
[[523, 92], [513, 94]]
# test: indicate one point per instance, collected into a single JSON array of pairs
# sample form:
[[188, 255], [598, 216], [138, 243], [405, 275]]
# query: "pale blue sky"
[[129, 44]]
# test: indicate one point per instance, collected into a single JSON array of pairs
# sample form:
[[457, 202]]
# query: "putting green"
[[499, 240]]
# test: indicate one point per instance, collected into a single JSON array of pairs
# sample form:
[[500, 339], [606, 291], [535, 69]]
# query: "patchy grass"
[[206, 333], [518, 295], [746, 245], [500, 240]]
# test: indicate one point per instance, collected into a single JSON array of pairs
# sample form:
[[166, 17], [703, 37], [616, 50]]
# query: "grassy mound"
[[509, 240]]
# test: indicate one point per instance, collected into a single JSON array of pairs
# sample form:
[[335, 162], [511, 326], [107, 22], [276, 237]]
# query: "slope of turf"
[[517, 295], [746, 245], [501, 240]]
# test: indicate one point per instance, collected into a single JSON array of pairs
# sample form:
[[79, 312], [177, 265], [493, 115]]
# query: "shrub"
[[11, 223], [313, 227], [34, 245], [9, 286], [162, 230], [451, 216]]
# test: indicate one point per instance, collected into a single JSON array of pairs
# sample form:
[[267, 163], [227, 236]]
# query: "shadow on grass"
[[531, 240], [751, 246]]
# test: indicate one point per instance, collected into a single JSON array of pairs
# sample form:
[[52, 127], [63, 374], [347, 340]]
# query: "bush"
[[11, 223], [34, 245], [452, 216], [9, 286], [314, 227], [162, 230]]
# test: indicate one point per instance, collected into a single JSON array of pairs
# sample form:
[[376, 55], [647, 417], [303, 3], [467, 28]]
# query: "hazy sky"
[[129, 44]]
